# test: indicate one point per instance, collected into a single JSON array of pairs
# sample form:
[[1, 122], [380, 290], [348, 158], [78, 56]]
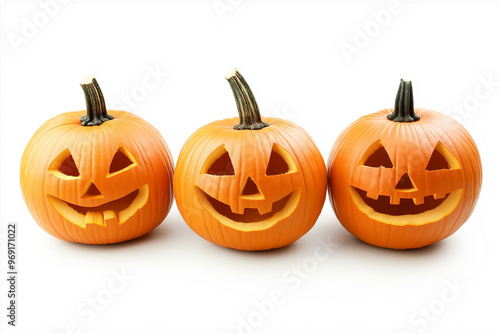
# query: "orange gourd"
[[97, 178], [404, 177], [250, 183]]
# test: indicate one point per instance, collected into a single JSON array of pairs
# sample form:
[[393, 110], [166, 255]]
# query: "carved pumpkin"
[[256, 185], [404, 177], [97, 178]]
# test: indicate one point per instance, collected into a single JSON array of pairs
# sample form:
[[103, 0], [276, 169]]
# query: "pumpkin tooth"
[[265, 208], [94, 218], [239, 210], [439, 195], [372, 195], [394, 200], [418, 200], [110, 217]]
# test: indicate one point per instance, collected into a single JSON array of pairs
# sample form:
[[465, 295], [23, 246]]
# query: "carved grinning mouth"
[[406, 212], [117, 211], [406, 206], [251, 219], [250, 215]]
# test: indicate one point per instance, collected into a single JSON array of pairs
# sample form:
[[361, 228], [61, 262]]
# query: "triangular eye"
[[64, 166], [68, 167], [442, 158], [376, 156], [218, 163], [122, 161], [280, 162], [437, 161]]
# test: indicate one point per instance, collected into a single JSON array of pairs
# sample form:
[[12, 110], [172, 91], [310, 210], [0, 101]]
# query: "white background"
[[290, 53]]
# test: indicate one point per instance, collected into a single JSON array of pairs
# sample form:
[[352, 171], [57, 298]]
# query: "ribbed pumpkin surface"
[[242, 206], [425, 196], [97, 201]]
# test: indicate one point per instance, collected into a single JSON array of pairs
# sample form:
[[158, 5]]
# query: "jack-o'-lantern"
[[404, 177], [250, 183], [97, 178]]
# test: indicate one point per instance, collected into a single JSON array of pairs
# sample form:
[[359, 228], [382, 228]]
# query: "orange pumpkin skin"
[[250, 189], [410, 147], [250, 153], [103, 200]]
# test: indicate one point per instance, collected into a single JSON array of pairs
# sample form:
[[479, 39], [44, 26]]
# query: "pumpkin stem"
[[403, 109], [96, 107], [245, 101]]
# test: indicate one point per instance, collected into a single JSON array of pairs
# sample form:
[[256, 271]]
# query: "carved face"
[[99, 184], [404, 185], [254, 207], [250, 189], [415, 194], [102, 210]]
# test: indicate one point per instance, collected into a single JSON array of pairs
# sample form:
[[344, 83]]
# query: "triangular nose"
[[251, 188], [92, 191], [405, 183]]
